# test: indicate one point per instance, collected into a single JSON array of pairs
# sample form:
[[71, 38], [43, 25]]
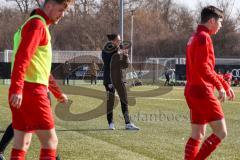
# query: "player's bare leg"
[[49, 141], [22, 141], [192, 145], [212, 142]]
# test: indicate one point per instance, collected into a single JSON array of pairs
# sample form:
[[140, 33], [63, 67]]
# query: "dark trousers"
[[66, 79], [121, 90], [7, 137], [93, 78], [167, 80]]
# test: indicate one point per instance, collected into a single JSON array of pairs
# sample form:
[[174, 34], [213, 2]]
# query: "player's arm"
[[202, 62], [106, 57], [56, 91], [227, 87], [31, 38], [224, 83], [124, 61], [204, 68]]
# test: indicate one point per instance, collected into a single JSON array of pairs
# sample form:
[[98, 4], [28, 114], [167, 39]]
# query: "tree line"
[[161, 27]]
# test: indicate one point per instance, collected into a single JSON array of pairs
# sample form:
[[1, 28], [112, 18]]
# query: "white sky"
[[192, 4], [4, 3]]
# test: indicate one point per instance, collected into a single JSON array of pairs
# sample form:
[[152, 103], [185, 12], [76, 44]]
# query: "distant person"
[[114, 61], [204, 107], [93, 72], [67, 72], [228, 77], [172, 74], [236, 82], [167, 76]]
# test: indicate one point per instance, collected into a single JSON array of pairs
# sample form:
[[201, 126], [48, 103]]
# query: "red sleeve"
[[33, 35], [203, 62], [54, 88], [226, 86]]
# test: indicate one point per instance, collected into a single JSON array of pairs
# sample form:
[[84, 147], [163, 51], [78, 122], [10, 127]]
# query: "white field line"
[[235, 89], [175, 99], [158, 98]]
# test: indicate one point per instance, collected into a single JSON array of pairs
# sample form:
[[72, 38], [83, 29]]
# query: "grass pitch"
[[164, 123]]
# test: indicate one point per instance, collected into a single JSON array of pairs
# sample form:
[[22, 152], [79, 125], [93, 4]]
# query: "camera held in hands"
[[125, 45]]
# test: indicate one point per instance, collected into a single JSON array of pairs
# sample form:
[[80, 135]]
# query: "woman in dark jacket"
[[115, 59]]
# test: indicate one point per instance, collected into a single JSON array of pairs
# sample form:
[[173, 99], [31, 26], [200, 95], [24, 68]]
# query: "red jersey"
[[200, 63], [35, 111], [34, 35], [228, 77], [54, 88]]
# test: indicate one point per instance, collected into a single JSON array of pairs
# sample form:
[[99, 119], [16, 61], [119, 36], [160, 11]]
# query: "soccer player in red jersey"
[[228, 77], [31, 67], [8, 134], [204, 107]]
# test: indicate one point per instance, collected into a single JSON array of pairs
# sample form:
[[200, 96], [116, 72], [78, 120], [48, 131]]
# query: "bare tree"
[[8, 25], [25, 5], [161, 28]]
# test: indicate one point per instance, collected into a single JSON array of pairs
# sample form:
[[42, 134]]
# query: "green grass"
[[163, 120]]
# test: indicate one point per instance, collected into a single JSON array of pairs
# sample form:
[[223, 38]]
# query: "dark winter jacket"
[[114, 61]]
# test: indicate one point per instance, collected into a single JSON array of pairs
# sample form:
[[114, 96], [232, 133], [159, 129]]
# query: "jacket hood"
[[109, 47]]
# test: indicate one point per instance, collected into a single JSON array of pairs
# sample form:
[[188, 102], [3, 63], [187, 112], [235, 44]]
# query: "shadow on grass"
[[92, 130], [63, 112]]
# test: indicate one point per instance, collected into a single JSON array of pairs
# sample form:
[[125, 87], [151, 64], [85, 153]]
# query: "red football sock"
[[208, 146], [191, 149], [48, 154], [17, 154]]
